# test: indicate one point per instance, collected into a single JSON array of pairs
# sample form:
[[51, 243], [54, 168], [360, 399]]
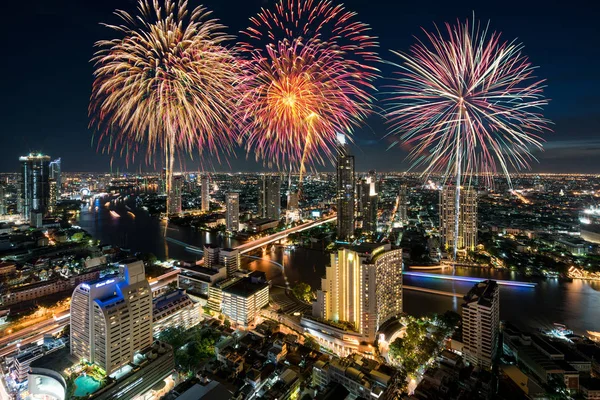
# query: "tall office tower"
[[205, 192], [230, 258], [367, 203], [175, 195], [467, 220], [403, 204], [53, 195], [111, 318], [55, 172], [232, 212], [269, 198], [345, 191], [292, 201], [35, 188], [481, 323], [163, 181], [363, 286], [2, 199]]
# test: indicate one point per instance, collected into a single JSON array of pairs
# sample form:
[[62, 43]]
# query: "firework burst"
[[309, 68], [166, 83], [468, 102]]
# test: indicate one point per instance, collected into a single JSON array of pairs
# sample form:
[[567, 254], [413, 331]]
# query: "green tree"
[[311, 343], [303, 291]]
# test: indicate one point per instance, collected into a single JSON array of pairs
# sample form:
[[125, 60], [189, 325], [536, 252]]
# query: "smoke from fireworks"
[[309, 68], [166, 83], [467, 103]]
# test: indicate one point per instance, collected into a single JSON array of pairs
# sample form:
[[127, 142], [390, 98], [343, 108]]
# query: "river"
[[575, 304]]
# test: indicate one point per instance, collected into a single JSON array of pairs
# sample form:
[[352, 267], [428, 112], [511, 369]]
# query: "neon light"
[[470, 279], [105, 283]]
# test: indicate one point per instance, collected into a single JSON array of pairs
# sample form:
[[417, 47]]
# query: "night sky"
[[47, 76]]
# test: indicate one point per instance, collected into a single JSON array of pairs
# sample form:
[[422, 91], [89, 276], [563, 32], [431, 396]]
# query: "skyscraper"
[[175, 195], [481, 323], [55, 174], [345, 191], [362, 286], [403, 204], [205, 192], [233, 212], [2, 199], [467, 220], [35, 186], [269, 197], [367, 198], [111, 318]]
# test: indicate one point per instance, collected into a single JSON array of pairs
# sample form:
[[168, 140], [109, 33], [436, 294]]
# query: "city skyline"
[[572, 86]]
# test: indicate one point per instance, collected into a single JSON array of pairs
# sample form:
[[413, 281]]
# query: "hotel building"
[[111, 319]]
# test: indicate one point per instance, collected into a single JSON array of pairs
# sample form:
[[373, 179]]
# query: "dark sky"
[[47, 76]]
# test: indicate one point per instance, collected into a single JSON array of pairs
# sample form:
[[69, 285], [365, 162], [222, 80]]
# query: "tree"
[[311, 343], [303, 292], [227, 323]]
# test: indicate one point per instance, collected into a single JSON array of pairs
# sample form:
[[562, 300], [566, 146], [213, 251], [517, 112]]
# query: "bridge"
[[263, 241]]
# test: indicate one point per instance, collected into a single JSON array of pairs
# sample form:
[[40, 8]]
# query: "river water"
[[575, 304]]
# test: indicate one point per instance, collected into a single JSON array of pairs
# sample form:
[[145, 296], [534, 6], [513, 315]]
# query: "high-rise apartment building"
[[467, 218], [269, 197], [232, 213], [403, 204], [111, 318], [367, 203], [55, 174], [35, 186], [345, 191], [362, 286], [481, 323], [175, 195], [230, 258], [205, 192]]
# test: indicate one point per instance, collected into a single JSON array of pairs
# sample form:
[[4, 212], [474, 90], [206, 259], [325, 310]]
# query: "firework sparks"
[[309, 69], [468, 103], [166, 83]]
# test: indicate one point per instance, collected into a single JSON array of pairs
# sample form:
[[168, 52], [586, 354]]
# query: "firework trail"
[[467, 102], [166, 83], [309, 72]]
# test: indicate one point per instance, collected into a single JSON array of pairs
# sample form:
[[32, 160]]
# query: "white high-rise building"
[[205, 192], [362, 286], [467, 219], [233, 212], [111, 319], [481, 323]]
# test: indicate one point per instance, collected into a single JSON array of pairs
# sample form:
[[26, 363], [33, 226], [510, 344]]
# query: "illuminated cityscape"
[[300, 199]]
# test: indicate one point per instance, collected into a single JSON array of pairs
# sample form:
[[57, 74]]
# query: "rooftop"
[[245, 287], [482, 293]]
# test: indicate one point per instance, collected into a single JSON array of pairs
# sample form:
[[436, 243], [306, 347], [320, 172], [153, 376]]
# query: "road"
[[36, 332], [33, 333]]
